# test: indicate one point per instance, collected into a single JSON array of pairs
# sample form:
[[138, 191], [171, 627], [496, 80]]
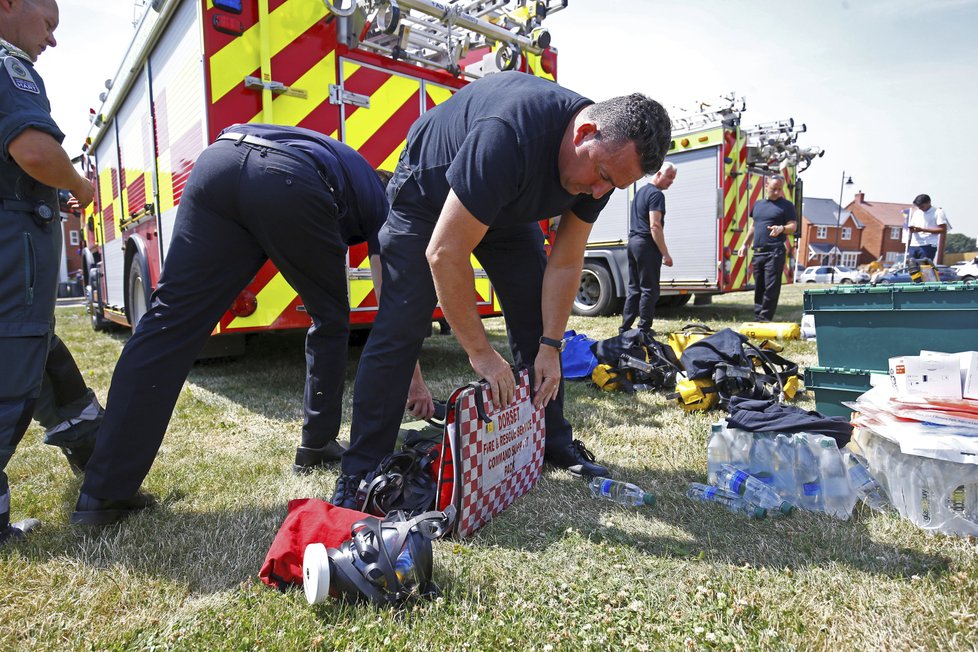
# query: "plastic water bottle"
[[806, 475], [837, 498], [784, 467], [717, 450], [710, 494], [624, 493], [863, 483], [752, 490], [762, 458]]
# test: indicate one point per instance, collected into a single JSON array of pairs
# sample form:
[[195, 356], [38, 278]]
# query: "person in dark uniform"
[[32, 166], [259, 192], [477, 173], [647, 250], [772, 219]]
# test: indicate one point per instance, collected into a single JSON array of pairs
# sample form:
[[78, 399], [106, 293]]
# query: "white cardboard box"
[[968, 361], [915, 375]]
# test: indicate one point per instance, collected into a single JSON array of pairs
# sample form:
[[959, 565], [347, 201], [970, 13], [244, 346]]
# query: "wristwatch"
[[557, 344]]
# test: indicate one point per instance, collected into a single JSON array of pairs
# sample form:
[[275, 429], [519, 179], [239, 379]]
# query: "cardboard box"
[[968, 361], [913, 375]]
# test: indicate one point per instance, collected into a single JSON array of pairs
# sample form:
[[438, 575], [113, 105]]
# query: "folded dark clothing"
[[759, 415]]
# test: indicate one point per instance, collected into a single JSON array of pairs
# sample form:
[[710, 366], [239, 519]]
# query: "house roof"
[[825, 212], [886, 213]]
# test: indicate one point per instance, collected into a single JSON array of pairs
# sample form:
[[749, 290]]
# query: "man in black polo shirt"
[[476, 175], [773, 219], [647, 250], [260, 192]]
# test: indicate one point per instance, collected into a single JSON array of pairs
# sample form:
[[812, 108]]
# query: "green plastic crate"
[[833, 386], [862, 327]]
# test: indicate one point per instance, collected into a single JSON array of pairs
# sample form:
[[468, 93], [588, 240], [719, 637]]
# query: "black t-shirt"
[[362, 201], [648, 198], [770, 213], [495, 143], [23, 105]]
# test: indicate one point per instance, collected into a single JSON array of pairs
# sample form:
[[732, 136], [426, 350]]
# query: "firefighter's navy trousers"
[[515, 260], [242, 205]]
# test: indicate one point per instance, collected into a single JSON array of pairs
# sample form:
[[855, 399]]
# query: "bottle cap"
[[648, 499], [787, 508], [760, 512]]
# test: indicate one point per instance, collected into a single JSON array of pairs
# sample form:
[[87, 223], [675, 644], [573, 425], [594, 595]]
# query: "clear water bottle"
[[863, 483], [752, 490], [837, 496], [717, 450], [762, 458], [624, 493], [806, 475], [784, 467], [710, 494]]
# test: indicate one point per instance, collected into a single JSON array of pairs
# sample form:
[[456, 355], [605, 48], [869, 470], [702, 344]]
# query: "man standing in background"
[[928, 224], [647, 251], [773, 218]]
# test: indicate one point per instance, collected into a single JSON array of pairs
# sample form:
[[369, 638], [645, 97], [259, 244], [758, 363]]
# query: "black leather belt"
[[769, 248], [42, 212], [298, 154]]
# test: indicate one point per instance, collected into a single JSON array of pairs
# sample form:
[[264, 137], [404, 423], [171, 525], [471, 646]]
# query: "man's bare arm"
[[40, 156]]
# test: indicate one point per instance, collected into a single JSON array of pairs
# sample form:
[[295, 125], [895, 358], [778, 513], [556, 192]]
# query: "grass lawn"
[[557, 571]]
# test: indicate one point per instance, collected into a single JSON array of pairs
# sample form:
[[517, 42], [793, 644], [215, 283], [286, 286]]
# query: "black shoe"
[[18, 530], [90, 510], [345, 493], [578, 460], [78, 455], [308, 460]]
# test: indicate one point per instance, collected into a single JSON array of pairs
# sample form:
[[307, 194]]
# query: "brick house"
[[71, 260], [883, 235], [826, 237]]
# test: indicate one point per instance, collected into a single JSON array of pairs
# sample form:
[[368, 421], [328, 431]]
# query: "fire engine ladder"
[[440, 35]]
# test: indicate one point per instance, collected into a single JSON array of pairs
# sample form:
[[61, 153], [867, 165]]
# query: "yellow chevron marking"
[[390, 97], [273, 299], [290, 110], [240, 57], [438, 94], [348, 69], [359, 290], [391, 161], [166, 191], [482, 289], [117, 211]]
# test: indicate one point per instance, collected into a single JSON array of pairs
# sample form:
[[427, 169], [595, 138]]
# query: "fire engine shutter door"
[[612, 224], [692, 215]]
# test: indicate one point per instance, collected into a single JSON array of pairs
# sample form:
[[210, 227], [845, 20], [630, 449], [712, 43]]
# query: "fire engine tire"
[[596, 292], [138, 295], [94, 302], [673, 301]]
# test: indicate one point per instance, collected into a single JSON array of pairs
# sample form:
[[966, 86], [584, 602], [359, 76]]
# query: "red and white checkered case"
[[489, 457]]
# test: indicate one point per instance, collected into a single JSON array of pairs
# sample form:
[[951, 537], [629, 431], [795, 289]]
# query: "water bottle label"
[[738, 482], [710, 493], [810, 488], [606, 487]]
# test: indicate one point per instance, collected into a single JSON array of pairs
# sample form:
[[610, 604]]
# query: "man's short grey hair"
[[775, 177], [639, 119], [666, 167]]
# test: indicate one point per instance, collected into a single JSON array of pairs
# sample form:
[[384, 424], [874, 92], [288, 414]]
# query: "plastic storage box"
[[833, 386], [862, 327]]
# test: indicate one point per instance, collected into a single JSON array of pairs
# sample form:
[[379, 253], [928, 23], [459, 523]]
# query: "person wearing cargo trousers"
[[477, 174], [260, 192], [32, 166]]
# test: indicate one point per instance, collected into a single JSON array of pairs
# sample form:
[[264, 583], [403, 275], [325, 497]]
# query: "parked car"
[[967, 271], [799, 268], [832, 274], [899, 274]]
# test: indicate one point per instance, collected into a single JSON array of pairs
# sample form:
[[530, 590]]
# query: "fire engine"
[[720, 175], [361, 71]]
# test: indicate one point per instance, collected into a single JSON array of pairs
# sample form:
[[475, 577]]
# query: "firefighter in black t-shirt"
[[773, 219], [647, 250], [476, 175]]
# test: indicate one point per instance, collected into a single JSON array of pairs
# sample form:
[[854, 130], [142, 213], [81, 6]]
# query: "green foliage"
[[557, 571], [960, 243]]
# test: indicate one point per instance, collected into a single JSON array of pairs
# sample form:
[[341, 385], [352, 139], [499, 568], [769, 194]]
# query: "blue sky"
[[889, 88]]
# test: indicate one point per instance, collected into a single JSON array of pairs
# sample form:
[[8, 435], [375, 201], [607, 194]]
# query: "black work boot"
[[90, 510], [345, 493], [78, 454], [15, 531], [308, 460], [577, 460]]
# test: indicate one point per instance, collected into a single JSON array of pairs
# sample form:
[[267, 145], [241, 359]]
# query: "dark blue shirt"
[[23, 105], [361, 199], [770, 213], [648, 198], [495, 143]]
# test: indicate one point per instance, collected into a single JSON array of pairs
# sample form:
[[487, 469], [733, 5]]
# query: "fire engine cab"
[[362, 73]]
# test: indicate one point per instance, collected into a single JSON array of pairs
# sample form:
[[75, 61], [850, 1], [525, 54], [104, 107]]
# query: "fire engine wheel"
[[93, 302], [596, 293], [138, 300], [673, 301]]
